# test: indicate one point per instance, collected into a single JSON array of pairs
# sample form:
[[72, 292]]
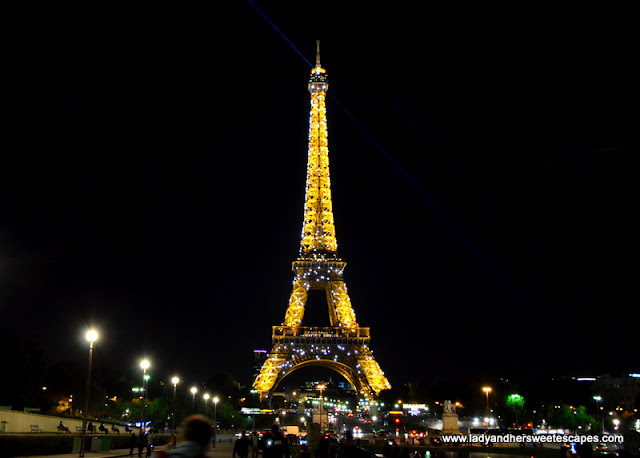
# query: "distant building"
[[259, 357], [614, 392], [618, 391]]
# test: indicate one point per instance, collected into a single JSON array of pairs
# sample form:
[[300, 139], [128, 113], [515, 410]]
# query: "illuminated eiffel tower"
[[344, 346]]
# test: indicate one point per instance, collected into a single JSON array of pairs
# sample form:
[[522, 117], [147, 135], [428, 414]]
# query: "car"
[[607, 448]]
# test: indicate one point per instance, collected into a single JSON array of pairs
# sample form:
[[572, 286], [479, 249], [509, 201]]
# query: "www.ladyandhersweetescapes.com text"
[[531, 439]]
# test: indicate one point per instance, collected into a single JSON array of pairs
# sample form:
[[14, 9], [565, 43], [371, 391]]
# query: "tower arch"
[[345, 370]]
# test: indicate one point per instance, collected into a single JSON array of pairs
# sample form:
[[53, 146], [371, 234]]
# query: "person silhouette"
[[196, 437], [132, 443]]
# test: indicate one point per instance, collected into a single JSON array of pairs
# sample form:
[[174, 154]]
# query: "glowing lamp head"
[[91, 335], [144, 364], [175, 380], [194, 390]]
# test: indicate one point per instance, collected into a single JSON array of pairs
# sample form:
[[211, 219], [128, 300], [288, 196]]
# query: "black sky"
[[153, 184]]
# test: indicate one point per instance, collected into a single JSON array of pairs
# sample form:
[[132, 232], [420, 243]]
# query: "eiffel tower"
[[344, 346]]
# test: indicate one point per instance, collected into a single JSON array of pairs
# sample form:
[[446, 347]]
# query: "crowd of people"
[[197, 435], [275, 444]]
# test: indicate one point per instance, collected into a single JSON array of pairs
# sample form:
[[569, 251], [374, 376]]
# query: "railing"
[[326, 336]]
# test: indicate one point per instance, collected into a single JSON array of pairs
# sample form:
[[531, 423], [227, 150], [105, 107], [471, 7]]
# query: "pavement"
[[222, 450]]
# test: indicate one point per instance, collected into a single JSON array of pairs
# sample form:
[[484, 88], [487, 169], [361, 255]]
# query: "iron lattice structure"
[[344, 346]]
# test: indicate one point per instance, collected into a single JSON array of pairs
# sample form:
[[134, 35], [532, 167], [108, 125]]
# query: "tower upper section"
[[318, 229], [318, 80]]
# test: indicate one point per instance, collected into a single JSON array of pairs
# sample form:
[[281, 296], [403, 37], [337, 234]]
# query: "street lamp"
[[321, 387], [598, 399], [206, 398], [144, 364], [194, 390], [215, 412], [175, 381], [487, 390], [91, 337]]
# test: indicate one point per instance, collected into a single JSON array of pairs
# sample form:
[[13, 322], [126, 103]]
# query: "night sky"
[[153, 173]]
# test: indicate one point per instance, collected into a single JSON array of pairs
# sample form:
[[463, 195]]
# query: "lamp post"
[[144, 364], [215, 412], [175, 381], [321, 387], [206, 399], [598, 399], [194, 390], [91, 337], [487, 390]]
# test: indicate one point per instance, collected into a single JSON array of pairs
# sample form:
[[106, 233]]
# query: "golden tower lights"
[[343, 346]]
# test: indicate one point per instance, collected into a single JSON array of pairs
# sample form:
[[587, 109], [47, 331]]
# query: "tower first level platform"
[[343, 346]]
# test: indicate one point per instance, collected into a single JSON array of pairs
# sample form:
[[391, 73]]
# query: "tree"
[[571, 417], [159, 412], [515, 403], [226, 416], [117, 409]]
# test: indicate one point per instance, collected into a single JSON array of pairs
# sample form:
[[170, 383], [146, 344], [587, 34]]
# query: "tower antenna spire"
[[317, 53]]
